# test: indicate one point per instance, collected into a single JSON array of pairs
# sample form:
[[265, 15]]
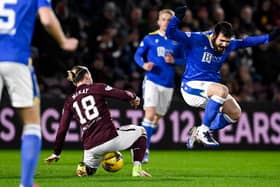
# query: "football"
[[112, 161]]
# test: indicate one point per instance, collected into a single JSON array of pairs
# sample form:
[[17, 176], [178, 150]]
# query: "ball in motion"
[[112, 161]]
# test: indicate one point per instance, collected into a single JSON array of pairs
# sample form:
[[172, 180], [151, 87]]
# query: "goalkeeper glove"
[[274, 34], [180, 12]]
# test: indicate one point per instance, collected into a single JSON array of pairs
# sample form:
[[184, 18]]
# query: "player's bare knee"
[[235, 113], [222, 91]]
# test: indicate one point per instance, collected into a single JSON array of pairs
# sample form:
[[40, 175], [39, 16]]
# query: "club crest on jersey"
[[188, 34], [156, 40]]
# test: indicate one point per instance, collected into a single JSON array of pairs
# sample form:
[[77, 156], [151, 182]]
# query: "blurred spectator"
[[218, 14], [203, 19], [188, 21], [247, 24], [245, 84], [275, 7], [263, 16]]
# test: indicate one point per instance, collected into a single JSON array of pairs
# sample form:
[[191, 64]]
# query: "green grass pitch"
[[169, 168]]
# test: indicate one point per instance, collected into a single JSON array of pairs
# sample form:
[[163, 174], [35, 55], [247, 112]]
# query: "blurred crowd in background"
[[110, 31]]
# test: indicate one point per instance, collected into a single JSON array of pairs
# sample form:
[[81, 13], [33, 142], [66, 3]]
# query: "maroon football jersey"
[[87, 105]]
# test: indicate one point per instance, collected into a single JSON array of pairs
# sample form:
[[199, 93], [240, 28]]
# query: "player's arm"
[[250, 41], [257, 40], [116, 93], [172, 31], [180, 57], [61, 133], [53, 27], [274, 34], [139, 54]]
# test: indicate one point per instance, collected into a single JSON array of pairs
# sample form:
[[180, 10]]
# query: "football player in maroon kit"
[[87, 105]]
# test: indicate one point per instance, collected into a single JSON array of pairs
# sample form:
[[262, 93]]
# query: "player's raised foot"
[[192, 137], [81, 169], [206, 138], [146, 157], [137, 171]]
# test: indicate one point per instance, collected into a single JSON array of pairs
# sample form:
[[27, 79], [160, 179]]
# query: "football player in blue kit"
[[200, 87], [17, 18], [158, 56]]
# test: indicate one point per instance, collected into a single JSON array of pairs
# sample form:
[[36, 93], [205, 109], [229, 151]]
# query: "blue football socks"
[[212, 108], [30, 151], [150, 129], [221, 121]]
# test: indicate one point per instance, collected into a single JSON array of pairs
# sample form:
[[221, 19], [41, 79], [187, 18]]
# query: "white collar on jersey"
[[209, 36], [161, 33]]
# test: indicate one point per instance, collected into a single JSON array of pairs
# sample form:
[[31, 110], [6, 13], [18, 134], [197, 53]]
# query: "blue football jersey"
[[204, 63], [17, 19], [153, 48]]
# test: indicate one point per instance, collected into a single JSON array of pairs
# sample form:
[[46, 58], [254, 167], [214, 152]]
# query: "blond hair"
[[166, 11], [76, 74]]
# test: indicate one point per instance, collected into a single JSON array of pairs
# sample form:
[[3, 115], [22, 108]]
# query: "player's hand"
[[135, 102], [52, 158], [148, 66], [169, 58], [274, 34], [180, 12], [69, 44]]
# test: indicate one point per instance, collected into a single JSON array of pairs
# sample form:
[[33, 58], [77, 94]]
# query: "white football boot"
[[192, 137], [203, 134]]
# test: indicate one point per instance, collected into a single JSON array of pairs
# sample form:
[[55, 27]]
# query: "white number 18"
[[88, 105]]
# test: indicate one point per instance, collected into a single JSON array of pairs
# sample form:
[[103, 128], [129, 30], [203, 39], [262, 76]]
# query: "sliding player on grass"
[[87, 105]]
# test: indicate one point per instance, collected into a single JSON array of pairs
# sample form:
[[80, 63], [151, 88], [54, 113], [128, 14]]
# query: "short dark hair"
[[225, 28]]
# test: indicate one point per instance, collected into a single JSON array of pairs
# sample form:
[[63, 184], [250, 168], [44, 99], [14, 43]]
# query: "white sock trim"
[[137, 163], [218, 99], [32, 129], [229, 119], [203, 128], [148, 123]]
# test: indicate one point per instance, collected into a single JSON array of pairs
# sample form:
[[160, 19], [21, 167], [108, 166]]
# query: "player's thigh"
[[94, 156], [128, 135], [22, 86], [150, 94], [165, 98], [195, 93], [34, 110]]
